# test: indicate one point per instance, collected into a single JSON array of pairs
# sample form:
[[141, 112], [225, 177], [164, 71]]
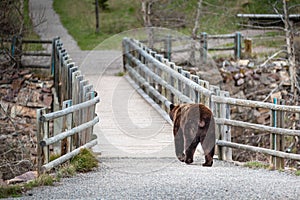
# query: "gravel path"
[[167, 178], [162, 177]]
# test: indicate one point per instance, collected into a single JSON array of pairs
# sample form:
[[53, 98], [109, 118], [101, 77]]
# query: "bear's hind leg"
[[189, 152], [209, 158], [179, 146]]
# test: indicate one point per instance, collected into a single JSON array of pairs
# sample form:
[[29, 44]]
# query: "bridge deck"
[[129, 126]]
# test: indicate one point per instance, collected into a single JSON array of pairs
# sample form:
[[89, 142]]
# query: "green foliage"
[[66, 171], [256, 165], [17, 190], [217, 16], [103, 4], [78, 16], [53, 157], [10, 191], [120, 74], [297, 173], [85, 161]]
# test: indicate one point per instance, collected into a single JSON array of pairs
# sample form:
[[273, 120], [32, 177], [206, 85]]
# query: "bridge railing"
[[62, 132], [167, 83]]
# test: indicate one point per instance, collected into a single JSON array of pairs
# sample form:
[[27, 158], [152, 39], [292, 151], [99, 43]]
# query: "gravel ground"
[[167, 178]]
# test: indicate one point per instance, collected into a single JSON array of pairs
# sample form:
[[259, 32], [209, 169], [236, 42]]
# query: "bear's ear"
[[172, 106]]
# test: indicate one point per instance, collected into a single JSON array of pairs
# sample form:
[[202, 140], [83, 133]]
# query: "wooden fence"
[[165, 82], [24, 49], [69, 127], [203, 40]]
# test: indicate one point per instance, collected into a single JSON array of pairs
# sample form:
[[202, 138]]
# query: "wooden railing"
[[167, 83], [69, 127], [233, 43], [24, 49]]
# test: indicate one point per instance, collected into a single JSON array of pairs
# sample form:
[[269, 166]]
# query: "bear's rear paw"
[[208, 164], [181, 157], [189, 160]]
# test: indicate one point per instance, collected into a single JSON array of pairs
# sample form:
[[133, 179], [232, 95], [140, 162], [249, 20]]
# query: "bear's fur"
[[193, 123]]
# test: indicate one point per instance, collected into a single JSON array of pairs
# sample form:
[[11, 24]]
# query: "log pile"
[[21, 93]]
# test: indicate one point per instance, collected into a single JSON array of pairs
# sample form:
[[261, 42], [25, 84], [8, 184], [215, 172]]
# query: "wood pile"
[[21, 93]]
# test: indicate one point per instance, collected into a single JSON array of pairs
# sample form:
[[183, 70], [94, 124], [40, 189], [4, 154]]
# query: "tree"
[[97, 15], [146, 11], [194, 33], [289, 37]]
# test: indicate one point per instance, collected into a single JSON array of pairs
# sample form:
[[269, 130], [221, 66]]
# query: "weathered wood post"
[[203, 47], [39, 137], [196, 95], [277, 141], [66, 143], [168, 47], [248, 47], [238, 45], [185, 87], [179, 82], [216, 109], [226, 153], [42, 134], [159, 72]]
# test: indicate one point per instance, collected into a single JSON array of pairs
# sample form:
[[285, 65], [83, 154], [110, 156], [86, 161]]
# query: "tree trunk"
[[290, 47], [97, 15], [146, 10], [192, 59]]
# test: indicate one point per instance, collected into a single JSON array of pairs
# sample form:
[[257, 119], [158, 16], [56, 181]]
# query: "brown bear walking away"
[[193, 123]]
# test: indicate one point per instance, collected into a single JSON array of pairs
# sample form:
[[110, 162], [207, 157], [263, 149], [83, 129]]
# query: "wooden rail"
[[167, 83], [69, 126], [203, 40], [21, 48]]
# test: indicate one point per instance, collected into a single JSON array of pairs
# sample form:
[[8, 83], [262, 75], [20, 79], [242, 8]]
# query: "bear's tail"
[[210, 138]]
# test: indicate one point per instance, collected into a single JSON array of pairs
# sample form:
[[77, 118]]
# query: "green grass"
[[19, 189], [85, 161], [217, 17], [78, 16], [256, 165], [29, 31]]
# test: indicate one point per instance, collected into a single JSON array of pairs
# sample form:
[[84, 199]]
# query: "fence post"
[[42, 134], [226, 153], [203, 47], [39, 137], [215, 107], [238, 45], [185, 87], [204, 99], [248, 47], [66, 143], [196, 94], [276, 141], [179, 84], [168, 47]]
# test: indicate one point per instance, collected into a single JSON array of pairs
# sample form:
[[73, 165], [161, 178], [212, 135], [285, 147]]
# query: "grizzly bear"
[[193, 123]]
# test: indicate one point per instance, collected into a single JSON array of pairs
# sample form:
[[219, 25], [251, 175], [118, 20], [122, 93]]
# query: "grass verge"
[[85, 161], [256, 165], [78, 16]]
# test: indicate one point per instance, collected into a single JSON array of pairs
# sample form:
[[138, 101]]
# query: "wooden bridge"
[[129, 126]]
